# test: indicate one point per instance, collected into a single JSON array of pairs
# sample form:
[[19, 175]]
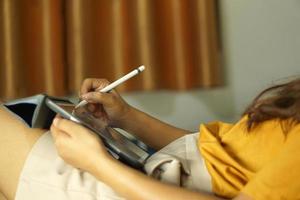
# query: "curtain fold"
[[50, 46]]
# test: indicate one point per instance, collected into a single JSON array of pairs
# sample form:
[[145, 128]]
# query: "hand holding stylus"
[[115, 83]]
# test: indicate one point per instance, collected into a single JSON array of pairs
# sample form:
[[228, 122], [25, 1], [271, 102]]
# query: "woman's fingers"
[[92, 107], [98, 97], [58, 134], [91, 84], [68, 127], [54, 132]]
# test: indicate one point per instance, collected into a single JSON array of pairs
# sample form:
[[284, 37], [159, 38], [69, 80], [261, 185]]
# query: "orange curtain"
[[50, 46]]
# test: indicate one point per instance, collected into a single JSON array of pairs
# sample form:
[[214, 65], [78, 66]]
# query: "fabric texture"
[[263, 163], [46, 176], [181, 164]]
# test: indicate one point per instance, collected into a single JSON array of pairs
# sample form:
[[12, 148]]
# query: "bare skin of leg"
[[16, 141], [2, 197]]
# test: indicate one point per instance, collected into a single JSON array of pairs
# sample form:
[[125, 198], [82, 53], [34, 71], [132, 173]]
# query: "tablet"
[[120, 146]]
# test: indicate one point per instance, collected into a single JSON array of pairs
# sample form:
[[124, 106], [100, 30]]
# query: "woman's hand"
[[77, 145], [109, 107]]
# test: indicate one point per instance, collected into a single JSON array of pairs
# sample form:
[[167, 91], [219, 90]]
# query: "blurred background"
[[205, 59]]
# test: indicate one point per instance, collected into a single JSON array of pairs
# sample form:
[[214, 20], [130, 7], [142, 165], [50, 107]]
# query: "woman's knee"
[[2, 197], [16, 140]]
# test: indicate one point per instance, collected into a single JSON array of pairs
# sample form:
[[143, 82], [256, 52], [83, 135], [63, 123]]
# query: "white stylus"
[[116, 83]]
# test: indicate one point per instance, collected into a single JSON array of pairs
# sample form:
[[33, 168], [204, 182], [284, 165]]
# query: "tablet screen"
[[116, 141], [86, 116], [100, 126], [66, 106]]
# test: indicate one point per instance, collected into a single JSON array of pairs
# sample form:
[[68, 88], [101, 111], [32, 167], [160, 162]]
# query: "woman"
[[256, 158]]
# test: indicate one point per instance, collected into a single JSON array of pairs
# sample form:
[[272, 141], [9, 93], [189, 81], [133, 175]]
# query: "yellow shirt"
[[263, 163]]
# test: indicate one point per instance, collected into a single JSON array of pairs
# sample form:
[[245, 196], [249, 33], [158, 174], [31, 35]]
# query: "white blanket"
[[46, 176], [181, 164]]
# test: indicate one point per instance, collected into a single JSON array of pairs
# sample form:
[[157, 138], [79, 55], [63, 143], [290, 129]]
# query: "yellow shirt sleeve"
[[280, 178]]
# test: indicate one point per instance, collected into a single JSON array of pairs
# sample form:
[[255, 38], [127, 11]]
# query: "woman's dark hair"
[[280, 101]]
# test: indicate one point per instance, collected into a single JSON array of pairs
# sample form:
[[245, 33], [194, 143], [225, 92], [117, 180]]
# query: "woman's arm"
[[75, 142], [118, 113], [150, 130], [132, 184]]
